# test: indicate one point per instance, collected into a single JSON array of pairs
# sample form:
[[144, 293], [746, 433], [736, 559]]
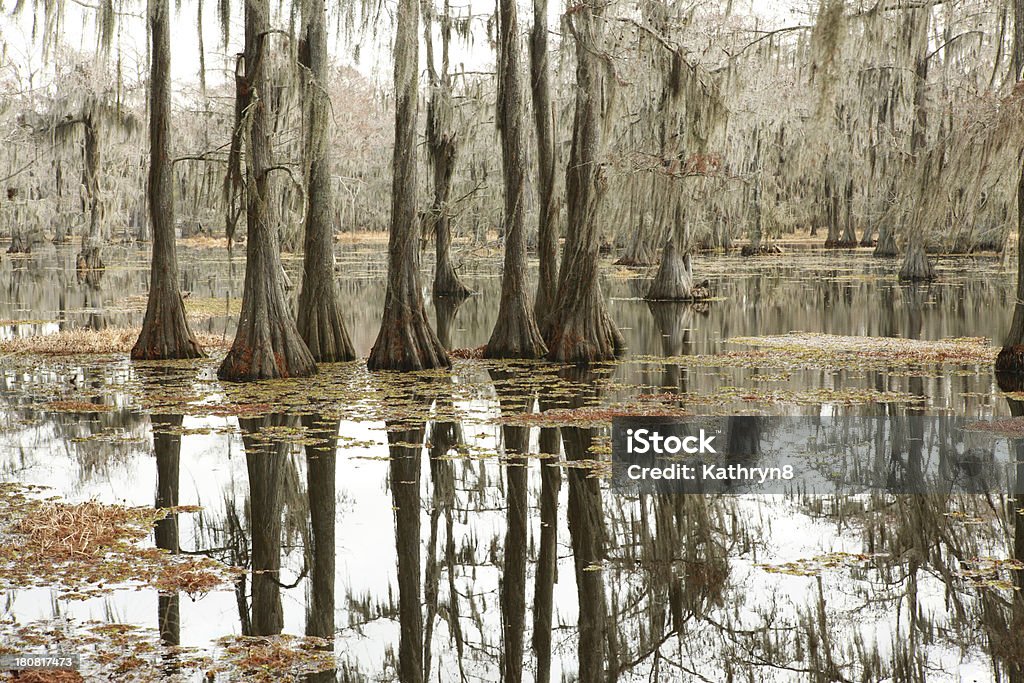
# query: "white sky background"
[[24, 53]]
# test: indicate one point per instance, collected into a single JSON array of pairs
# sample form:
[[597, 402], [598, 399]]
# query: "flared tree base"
[[516, 336], [272, 352], [320, 325], [408, 344], [587, 336], [886, 246], [165, 332], [674, 280], [448, 284], [916, 266], [89, 259], [1010, 363]]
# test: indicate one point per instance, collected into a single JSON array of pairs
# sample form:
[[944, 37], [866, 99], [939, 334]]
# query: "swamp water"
[[761, 588]]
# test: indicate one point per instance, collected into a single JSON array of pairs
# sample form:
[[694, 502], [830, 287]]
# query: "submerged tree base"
[[448, 284], [166, 341], [760, 250], [89, 259], [1010, 367], [916, 266], [674, 280], [587, 336], [886, 246], [409, 345], [516, 336], [270, 352]]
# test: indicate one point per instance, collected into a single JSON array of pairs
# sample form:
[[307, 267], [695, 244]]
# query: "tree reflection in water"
[[405, 445], [265, 458], [321, 467]]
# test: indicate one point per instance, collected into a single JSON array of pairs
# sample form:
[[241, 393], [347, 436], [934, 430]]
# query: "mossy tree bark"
[[320, 322], [165, 329], [89, 257], [1011, 357], [515, 333], [442, 146], [581, 329], [267, 344], [547, 217], [405, 341]]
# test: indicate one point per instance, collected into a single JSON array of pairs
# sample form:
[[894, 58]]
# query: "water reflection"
[[642, 587], [321, 468]]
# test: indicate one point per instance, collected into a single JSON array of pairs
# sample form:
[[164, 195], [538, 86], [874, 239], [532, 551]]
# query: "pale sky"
[[25, 54]]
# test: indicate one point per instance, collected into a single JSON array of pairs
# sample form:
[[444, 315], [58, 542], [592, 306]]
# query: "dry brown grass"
[[48, 677], [91, 342], [64, 531]]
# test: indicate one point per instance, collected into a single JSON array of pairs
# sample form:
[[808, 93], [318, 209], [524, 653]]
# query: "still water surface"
[[681, 588]]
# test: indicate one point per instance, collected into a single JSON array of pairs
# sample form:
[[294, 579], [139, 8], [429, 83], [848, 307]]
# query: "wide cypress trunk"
[[267, 343], [916, 266], [886, 241], [547, 216], [515, 333], [405, 341], [319, 321], [674, 279], [165, 329], [581, 330]]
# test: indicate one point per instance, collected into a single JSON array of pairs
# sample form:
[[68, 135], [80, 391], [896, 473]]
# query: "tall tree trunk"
[[916, 266], [405, 495], [515, 333], [165, 329], [1011, 356], [405, 341], [320, 321], [581, 329], [1018, 41], [267, 344], [89, 257], [442, 144], [321, 458], [547, 217]]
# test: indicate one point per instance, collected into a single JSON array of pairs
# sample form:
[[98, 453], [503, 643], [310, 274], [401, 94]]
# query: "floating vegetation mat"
[[829, 350], [81, 549], [86, 342], [130, 653]]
